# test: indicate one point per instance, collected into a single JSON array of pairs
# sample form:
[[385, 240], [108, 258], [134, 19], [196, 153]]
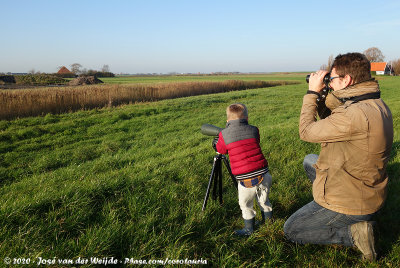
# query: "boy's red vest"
[[242, 142]]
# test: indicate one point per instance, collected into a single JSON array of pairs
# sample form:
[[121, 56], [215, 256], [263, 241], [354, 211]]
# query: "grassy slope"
[[130, 181], [193, 78]]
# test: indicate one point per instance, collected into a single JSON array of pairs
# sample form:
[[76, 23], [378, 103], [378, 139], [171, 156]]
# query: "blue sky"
[[192, 36]]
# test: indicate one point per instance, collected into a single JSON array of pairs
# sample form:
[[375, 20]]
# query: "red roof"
[[378, 66], [64, 70]]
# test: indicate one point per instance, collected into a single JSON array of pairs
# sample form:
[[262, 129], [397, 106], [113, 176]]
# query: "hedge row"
[[39, 79]]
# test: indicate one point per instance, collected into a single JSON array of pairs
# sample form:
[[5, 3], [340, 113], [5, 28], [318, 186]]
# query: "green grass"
[[199, 78], [130, 181]]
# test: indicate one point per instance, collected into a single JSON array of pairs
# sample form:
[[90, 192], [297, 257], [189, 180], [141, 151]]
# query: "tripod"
[[216, 178]]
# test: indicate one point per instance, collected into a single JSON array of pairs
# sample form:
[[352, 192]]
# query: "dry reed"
[[40, 101]]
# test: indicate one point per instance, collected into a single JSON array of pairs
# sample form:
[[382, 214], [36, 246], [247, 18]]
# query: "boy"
[[248, 165]]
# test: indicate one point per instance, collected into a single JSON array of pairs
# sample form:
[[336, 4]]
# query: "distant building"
[[64, 70], [381, 68]]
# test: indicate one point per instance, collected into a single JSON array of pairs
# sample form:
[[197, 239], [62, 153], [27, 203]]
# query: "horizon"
[[190, 37], [171, 73]]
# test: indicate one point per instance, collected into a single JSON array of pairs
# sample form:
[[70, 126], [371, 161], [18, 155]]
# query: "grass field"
[[200, 78], [128, 182]]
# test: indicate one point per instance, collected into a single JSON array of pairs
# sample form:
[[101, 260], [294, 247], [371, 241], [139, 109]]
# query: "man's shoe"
[[364, 240], [248, 228]]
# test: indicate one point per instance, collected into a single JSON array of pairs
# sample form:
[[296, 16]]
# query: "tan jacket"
[[356, 140]]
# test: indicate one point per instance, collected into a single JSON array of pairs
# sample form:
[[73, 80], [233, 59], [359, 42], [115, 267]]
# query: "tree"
[[76, 68], [105, 69], [374, 54], [32, 71], [330, 62], [327, 67], [396, 66]]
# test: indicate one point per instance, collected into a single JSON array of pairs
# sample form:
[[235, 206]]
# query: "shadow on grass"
[[68, 216], [388, 218]]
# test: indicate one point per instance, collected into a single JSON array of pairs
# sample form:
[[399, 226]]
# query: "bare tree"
[[327, 67], [105, 69], [32, 71], [76, 68], [374, 54], [396, 66], [330, 62]]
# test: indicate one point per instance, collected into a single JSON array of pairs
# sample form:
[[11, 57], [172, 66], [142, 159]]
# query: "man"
[[349, 176]]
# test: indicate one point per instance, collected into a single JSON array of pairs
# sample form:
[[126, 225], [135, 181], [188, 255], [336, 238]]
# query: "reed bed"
[[40, 101]]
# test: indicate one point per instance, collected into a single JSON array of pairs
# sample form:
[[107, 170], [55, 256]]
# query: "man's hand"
[[316, 82]]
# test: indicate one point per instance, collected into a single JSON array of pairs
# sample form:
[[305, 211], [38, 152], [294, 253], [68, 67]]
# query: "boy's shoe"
[[248, 228], [266, 216], [364, 240]]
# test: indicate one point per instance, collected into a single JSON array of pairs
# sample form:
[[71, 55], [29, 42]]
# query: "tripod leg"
[[228, 167], [216, 177], [220, 183], [209, 184]]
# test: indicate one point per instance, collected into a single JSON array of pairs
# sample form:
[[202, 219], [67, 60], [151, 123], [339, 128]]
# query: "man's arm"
[[336, 127]]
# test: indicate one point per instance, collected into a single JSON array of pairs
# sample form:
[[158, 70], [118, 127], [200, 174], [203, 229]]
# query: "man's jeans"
[[315, 224]]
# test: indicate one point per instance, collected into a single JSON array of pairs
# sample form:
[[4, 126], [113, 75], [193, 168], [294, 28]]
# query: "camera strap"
[[373, 95]]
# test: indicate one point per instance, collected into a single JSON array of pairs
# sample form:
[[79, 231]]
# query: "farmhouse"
[[381, 68], [64, 70]]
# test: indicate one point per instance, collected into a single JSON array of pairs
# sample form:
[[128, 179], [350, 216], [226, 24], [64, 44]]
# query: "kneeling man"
[[349, 175]]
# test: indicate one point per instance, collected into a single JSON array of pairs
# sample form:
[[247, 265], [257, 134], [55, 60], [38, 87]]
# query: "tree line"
[[373, 54], [76, 68]]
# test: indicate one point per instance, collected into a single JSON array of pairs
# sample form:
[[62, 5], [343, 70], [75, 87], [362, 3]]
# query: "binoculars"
[[326, 80]]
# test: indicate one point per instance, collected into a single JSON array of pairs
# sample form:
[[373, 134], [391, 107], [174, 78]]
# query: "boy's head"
[[236, 111]]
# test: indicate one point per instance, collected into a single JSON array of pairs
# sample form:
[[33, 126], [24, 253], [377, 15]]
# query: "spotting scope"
[[210, 130]]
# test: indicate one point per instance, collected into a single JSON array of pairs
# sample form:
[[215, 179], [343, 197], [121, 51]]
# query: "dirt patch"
[[84, 80]]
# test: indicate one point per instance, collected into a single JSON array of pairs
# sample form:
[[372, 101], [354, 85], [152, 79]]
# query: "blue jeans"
[[315, 224]]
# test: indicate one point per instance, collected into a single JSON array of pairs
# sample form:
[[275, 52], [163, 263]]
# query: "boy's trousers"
[[247, 195]]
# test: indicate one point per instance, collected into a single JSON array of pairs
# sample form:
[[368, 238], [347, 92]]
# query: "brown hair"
[[354, 64], [236, 111]]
